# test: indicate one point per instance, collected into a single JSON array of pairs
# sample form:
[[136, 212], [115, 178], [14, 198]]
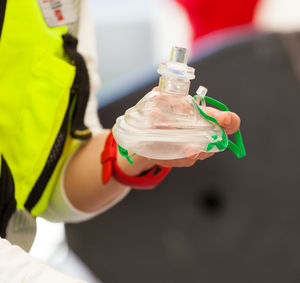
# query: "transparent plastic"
[[166, 123]]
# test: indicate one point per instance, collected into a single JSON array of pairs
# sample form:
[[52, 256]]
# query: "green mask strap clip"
[[237, 148], [222, 144], [124, 153]]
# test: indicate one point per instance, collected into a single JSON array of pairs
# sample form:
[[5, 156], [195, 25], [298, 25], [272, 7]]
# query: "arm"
[[83, 185]]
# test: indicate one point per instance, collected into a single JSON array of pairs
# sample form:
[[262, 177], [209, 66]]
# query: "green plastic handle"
[[237, 148]]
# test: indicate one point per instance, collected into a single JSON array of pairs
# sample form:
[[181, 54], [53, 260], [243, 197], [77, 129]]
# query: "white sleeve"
[[87, 48], [59, 208], [17, 266]]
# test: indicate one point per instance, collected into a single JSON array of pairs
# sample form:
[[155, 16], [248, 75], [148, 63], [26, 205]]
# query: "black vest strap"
[[2, 14], [80, 88], [8, 203]]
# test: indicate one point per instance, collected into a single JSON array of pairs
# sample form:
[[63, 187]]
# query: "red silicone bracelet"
[[147, 180]]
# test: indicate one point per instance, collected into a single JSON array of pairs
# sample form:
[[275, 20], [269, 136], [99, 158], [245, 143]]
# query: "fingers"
[[184, 162], [229, 121], [205, 155]]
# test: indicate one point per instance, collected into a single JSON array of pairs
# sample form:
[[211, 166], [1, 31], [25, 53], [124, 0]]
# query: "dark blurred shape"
[[210, 15], [211, 201], [161, 235]]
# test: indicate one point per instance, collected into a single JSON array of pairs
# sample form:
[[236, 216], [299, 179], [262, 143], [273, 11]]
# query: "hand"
[[229, 121]]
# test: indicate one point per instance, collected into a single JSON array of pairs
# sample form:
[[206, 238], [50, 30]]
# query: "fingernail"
[[194, 156], [227, 120]]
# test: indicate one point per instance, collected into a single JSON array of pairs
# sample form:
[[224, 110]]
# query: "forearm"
[[83, 183]]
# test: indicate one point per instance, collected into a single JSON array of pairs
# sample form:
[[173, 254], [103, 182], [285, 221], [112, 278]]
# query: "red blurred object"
[[110, 168], [210, 15]]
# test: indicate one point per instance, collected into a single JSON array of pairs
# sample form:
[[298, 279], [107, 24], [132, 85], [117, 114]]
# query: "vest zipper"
[[79, 91], [2, 13], [53, 158]]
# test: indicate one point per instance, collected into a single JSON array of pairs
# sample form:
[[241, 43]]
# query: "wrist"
[[140, 164], [110, 167]]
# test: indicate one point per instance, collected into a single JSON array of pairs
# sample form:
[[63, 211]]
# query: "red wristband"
[[110, 168]]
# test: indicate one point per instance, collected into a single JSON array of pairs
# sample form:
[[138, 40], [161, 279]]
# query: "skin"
[[83, 183]]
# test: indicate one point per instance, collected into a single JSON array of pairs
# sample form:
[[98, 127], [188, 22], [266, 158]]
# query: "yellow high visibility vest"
[[42, 96]]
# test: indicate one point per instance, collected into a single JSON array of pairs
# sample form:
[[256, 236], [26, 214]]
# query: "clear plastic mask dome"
[[166, 123]]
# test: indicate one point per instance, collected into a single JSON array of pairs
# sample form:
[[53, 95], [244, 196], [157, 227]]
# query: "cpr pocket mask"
[[168, 123]]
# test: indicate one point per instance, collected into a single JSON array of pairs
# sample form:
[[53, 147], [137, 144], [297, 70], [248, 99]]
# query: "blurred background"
[[224, 220]]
